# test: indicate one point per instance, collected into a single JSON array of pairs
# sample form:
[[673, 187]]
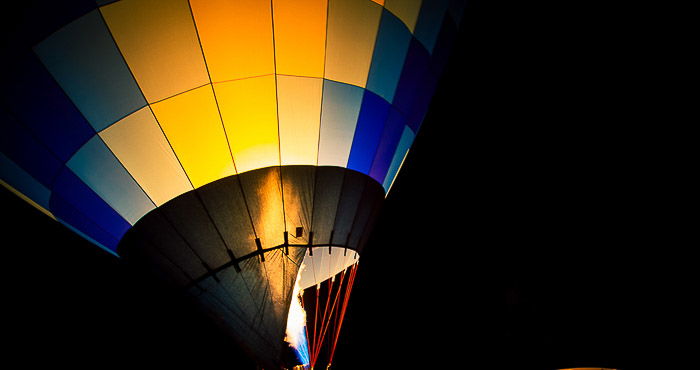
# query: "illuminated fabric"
[[140, 101]]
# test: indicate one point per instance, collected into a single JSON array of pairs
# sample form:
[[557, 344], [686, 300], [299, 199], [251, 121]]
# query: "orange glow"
[[249, 111], [265, 205], [300, 36], [236, 37]]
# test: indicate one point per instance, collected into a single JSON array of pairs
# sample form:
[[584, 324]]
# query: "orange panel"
[[300, 36], [236, 37]]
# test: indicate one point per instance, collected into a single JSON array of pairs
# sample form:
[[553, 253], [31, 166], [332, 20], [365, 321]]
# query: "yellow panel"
[[380, 2], [249, 110], [300, 36], [405, 10], [27, 199], [192, 125], [159, 43], [299, 104], [141, 147], [236, 37], [352, 30]]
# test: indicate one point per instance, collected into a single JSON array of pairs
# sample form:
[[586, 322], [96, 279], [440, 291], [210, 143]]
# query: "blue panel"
[[429, 22], [393, 129], [390, 51], [97, 166], [341, 108], [368, 132], [37, 101], [16, 177], [417, 63], [85, 61], [404, 145], [421, 103], [74, 202], [22, 148], [79, 223]]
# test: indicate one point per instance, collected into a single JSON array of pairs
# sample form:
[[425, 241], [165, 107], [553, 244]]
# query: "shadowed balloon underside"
[[211, 242]]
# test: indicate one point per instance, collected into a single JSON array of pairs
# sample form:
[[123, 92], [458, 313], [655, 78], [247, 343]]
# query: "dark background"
[[521, 232]]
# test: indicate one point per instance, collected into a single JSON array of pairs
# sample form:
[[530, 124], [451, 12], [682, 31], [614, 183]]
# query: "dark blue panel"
[[417, 63], [421, 103], [76, 220], [390, 51], [401, 150], [370, 125], [69, 190], [393, 129], [429, 22], [443, 47], [86, 62], [22, 148], [37, 101]]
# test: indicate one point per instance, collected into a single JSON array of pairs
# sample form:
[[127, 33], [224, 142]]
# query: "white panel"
[[322, 265]]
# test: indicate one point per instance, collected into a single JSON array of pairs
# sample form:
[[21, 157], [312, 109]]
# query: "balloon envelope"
[[220, 141]]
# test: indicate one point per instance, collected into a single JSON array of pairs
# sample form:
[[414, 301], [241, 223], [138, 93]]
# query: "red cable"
[[348, 290], [313, 341], [325, 323], [319, 340], [341, 317]]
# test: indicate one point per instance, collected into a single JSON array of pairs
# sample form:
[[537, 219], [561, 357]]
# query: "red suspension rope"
[[327, 325], [341, 315]]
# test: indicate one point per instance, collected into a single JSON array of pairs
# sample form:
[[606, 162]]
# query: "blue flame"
[[302, 348]]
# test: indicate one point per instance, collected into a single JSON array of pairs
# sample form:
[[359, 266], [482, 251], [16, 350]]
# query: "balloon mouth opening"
[[316, 317]]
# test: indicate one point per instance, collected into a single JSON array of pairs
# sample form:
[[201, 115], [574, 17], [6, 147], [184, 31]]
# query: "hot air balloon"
[[240, 148]]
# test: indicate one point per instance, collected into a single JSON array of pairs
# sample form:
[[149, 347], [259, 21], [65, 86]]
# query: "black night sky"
[[514, 238]]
